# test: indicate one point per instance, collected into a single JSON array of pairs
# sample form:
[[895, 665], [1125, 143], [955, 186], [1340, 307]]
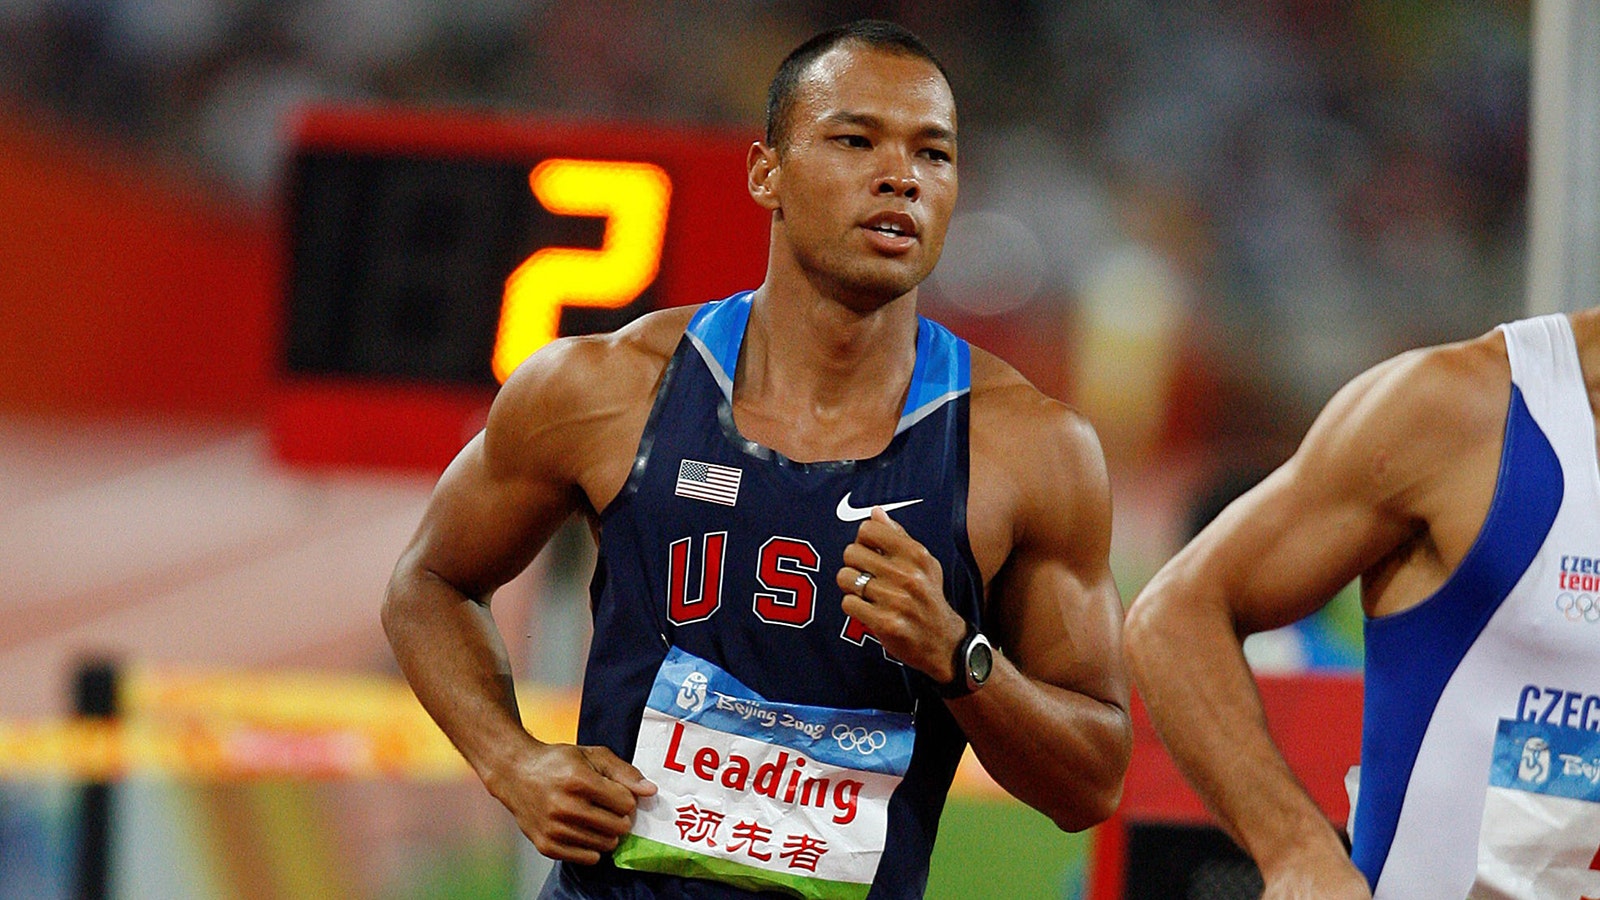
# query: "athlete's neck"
[[822, 378]]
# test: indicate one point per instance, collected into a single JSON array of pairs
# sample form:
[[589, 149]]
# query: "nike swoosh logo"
[[848, 513]]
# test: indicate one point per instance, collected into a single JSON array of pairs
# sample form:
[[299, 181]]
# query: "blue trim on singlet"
[[1412, 655], [717, 331], [942, 372]]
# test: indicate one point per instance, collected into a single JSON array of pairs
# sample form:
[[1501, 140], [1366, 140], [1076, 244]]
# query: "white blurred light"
[[1281, 651], [360, 35], [170, 32], [992, 264], [243, 127]]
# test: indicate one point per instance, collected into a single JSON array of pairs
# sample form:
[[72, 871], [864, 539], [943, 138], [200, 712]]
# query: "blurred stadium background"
[[1192, 219]]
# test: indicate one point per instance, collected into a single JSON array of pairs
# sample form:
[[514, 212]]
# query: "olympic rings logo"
[[1581, 606], [859, 739]]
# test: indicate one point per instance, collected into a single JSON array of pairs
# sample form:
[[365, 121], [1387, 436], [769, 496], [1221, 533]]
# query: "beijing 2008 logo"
[[692, 693], [1534, 766], [1578, 607], [859, 739]]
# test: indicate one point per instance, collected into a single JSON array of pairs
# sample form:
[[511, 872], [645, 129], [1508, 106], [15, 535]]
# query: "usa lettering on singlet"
[[1482, 708], [724, 668]]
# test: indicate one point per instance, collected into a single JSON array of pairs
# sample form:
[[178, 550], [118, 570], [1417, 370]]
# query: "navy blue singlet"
[[728, 550]]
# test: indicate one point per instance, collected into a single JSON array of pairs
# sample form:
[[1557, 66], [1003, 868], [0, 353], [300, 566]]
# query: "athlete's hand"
[[1318, 877], [904, 604], [574, 803]]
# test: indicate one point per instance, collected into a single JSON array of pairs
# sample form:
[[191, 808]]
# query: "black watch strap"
[[962, 681]]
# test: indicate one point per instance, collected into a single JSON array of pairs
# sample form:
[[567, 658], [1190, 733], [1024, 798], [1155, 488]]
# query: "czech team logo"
[[1579, 581], [1535, 765], [692, 693]]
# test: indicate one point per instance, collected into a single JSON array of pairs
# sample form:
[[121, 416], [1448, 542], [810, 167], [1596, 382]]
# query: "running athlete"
[[836, 544], [1459, 483]]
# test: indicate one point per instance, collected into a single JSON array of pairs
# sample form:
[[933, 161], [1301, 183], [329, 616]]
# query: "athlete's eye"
[[856, 141]]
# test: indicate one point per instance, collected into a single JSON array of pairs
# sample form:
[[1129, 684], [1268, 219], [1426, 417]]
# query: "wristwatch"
[[974, 660]]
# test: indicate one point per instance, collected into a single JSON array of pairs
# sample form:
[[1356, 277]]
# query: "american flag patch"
[[708, 481]]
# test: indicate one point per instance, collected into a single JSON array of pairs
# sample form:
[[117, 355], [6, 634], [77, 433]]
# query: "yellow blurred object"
[[240, 725], [1128, 338], [233, 726]]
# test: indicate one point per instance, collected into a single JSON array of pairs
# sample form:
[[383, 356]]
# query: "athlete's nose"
[[898, 175], [900, 185]]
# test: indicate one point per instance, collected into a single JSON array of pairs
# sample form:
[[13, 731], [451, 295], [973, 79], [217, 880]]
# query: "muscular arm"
[[537, 461], [1051, 725], [487, 518], [1363, 487]]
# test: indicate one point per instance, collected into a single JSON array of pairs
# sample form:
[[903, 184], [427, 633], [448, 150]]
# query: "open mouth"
[[894, 225]]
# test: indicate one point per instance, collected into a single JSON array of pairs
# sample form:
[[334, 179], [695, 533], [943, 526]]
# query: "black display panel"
[[398, 264]]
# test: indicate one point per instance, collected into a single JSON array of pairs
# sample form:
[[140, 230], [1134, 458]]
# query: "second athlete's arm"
[[1361, 486]]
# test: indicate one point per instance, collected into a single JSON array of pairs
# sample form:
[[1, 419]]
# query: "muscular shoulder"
[[1036, 462], [1390, 429], [575, 409], [1009, 409]]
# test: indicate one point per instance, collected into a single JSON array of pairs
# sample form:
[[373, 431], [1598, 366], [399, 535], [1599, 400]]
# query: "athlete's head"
[[859, 165], [874, 33]]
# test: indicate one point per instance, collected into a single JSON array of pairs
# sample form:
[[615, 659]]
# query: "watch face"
[[980, 660]]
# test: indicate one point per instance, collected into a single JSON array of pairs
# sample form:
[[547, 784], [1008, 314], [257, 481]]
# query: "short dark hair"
[[874, 33]]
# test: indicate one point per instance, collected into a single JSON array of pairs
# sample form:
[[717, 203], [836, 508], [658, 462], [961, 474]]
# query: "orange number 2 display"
[[633, 197]]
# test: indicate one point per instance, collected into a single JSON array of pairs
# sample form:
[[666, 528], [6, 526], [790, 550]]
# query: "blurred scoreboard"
[[430, 252]]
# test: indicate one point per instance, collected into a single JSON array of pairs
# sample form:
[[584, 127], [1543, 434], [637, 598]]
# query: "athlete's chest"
[[759, 524], [737, 557], [860, 428]]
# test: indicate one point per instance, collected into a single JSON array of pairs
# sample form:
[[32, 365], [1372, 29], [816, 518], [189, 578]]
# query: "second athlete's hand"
[[1316, 876]]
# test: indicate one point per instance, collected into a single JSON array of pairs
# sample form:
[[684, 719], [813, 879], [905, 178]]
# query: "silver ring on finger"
[[861, 582]]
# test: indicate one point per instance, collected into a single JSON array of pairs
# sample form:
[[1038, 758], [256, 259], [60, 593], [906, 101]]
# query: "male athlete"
[[1459, 483], [835, 545]]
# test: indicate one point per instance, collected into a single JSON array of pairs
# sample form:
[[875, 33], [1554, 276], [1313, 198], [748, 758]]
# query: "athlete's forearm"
[[452, 655], [1191, 673], [1061, 752]]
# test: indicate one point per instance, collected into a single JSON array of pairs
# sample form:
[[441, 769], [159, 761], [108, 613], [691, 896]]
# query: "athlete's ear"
[[765, 175]]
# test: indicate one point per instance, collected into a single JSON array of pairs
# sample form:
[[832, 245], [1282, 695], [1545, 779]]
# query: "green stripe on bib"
[[645, 855]]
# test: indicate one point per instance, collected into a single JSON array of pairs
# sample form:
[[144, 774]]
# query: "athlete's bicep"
[[513, 484], [1054, 603], [1284, 549], [1061, 626], [1338, 506], [480, 530]]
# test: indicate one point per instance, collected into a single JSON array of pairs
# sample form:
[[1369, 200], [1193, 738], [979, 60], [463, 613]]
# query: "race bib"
[[1540, 835], [758, 794]]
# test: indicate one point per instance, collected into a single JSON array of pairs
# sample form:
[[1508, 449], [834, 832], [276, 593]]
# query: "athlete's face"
[[864, 185]]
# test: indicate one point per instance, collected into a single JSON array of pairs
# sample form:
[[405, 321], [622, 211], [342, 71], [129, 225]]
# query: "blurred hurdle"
[[166, 729], [221, 726], [266, 738]]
